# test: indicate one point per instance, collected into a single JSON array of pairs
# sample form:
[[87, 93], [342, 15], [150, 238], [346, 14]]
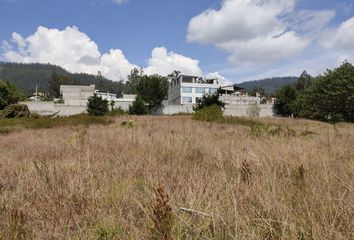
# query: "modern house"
[[185, 90]]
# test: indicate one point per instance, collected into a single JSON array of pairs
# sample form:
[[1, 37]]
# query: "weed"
[[162, 216]]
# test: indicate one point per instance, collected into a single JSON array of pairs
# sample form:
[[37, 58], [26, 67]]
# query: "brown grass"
[[99, 182]]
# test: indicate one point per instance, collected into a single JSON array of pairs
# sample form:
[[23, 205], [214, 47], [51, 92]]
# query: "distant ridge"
[[26, 76], [270, 85]]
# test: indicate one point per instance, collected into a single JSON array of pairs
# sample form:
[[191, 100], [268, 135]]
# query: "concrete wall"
[[175, 109], [122, 105], [48, 108], [65, 111], [266, 110], [43, 108]]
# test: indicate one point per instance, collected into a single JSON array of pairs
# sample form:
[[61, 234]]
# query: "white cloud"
[[164, 63], [258, 31], [342, 37], [68, 48], [76, 52]]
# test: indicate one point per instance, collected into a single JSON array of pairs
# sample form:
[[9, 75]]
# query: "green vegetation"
[[211, 113], [138, 107], [117, 112], [328, 97], [9, 94], [286, 100], [37, 122], [151, 90], [208, 100], [97, 106], [15, 110]]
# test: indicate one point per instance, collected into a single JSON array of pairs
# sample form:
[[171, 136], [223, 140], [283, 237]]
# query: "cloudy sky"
[[237, 40]]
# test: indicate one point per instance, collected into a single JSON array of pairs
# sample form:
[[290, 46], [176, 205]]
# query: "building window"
[[213, 90], [186, 89], [200, 90], [186, 100]]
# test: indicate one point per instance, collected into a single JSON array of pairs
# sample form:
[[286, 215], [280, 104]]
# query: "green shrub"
[[15, 110], [117, 112], [97, 106], [211, 113], [208, 100], [138, 107]]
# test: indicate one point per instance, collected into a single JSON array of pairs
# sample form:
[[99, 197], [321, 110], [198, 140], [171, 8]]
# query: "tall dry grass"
[[129, 181]]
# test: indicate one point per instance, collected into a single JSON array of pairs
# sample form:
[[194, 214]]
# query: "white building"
[[123, 102], [185, 90], [74, 95]]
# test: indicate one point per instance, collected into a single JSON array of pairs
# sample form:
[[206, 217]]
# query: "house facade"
[[74, 95], [185, 90]]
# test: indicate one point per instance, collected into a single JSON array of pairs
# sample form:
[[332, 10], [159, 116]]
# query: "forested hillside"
[[270, 85], [26, 76]]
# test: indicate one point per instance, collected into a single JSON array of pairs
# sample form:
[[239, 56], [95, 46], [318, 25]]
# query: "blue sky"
[[235, 39]]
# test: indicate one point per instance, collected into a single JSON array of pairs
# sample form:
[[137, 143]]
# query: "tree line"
[[328, 97]]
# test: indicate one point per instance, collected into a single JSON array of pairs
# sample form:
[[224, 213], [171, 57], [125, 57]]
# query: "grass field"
[[240, 179]]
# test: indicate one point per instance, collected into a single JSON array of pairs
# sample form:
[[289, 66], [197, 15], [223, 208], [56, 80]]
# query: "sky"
[[235, 40]]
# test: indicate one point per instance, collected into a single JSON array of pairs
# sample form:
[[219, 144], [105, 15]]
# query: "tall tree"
[[134, 78], [304, 81], [153, 90], [286, 100]]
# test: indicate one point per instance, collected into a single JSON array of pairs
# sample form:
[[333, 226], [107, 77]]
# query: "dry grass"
[[102, 182]]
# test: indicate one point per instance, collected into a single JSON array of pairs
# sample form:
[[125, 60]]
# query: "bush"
[[97, 106], [138, 107], [209, 100], [117, 112], [15, 110], [209, 114]]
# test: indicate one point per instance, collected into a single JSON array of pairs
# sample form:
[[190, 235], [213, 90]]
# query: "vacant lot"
[[129, 181]]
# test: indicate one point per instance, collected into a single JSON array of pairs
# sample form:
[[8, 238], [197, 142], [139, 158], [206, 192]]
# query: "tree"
[[55, 81], [209, 100], [138, 107], [9, 94], [304, 81], [152, 90], [285, 103], [134, 78], [97, 106], [330, 96], [4, 92]]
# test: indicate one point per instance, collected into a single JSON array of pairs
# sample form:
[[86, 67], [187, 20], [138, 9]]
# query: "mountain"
[[26, 76], [270, 85]]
